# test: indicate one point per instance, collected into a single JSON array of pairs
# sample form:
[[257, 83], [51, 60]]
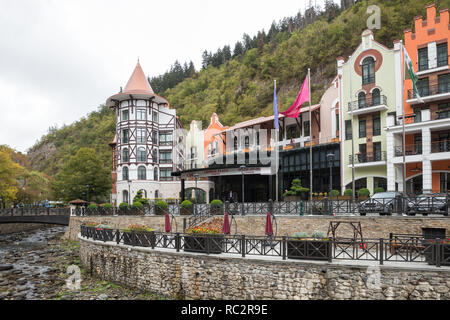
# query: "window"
[[337, 122], [417, 115], [292, 132], [125, 196], [155, 177], [306, 129], [444, 111], [376, 125], [423, 58], [142, 154], [125, 173], [155, 156], [444, 83], [125, 136], [377, 151], [141, 135], [444, 182], [362, 156], [362, 128], [165, 139], [246, 142], [165, 156], [442, 54], [422, 87], [368, 70], [361, 100], [166, 175], [376, 97], [140, 114], [235, 143], [142, 173], [125, 115], [125, 155], [155, 116], [155, 137], [348, 129], [194, 152]]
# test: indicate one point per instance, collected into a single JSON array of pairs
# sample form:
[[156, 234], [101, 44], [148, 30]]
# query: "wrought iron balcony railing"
[[370, 101], [430, 90], [440, 146], [368, 157], [410, 150]]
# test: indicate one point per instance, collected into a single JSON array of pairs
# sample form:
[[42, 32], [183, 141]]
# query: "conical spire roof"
[[138, 82]]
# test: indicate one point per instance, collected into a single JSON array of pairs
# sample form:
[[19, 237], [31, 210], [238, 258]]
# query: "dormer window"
[[368, 70]]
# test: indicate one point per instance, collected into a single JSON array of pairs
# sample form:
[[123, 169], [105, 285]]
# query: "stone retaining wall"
[[19, 227], [372, 227], [195, 276]]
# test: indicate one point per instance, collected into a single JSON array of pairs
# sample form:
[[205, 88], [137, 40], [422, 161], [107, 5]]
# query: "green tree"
[[82, 170], [9, 172]]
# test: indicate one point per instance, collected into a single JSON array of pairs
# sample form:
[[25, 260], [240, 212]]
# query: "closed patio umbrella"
[[167, 226], [269, 228], [226, 224]]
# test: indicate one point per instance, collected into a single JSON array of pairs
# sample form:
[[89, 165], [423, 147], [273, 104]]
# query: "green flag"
[[411, 75]]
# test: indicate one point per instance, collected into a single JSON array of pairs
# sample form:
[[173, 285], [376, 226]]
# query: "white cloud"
[[59, 60]]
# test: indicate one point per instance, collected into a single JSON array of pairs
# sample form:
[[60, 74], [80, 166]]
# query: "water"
[[26, 251]]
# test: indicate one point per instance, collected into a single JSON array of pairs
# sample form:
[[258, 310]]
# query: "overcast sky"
[[61, 59]]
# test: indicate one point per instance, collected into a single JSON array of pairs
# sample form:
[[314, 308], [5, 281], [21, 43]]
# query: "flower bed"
[[308, 247], [139, 235], [204, 240]]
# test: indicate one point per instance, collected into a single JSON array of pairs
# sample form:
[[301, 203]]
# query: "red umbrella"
[[226, 224], [269, 229], [167, 226]]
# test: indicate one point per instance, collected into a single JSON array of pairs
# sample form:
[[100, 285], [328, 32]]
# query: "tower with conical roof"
[[147, 147]]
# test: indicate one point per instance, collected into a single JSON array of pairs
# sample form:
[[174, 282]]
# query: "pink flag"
[[226, 224], [269, 228], [167, 226], [302, 97]]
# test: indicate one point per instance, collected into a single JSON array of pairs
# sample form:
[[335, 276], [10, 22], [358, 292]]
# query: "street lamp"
[[330, 157], [196, 193], [243, 188]]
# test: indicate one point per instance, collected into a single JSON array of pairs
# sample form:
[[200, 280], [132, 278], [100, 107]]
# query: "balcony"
[[364, 159], [369, 105], [440, 146], [430, 93], [410, 150]]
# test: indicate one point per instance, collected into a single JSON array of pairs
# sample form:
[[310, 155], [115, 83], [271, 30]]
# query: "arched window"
[[125, 173], [155, 156], [368, 70], [247, 142], [235, 143], [155, 174], [125, 155], [361, 100], [376, 97], [142, 173], [141, 154], [125, 196]]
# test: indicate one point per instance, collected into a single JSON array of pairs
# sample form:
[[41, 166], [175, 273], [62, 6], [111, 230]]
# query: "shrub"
[[300, 235], [335, 193], [161, 204], [363, 192], [348, 192], [186, 204], [379, 189], [137, 205], [318, 235], [216, 203], [92, 206], [107, 206], [123, 205]]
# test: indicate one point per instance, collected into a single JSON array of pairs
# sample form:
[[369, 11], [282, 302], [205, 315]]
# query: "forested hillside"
[[238, 84]]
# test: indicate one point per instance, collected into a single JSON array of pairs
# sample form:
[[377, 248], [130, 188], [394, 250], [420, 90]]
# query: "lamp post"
[[330, 157], [196, 193], [243, 189], [129, 192]]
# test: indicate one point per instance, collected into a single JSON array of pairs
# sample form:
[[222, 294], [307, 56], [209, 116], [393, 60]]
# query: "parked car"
[[428, 203], [382, 203]]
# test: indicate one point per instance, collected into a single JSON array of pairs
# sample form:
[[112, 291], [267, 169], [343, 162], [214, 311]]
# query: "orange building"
[[427, 119], [213, 145]]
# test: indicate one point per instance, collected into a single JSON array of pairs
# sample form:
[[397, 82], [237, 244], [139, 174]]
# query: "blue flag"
[[275, 106]]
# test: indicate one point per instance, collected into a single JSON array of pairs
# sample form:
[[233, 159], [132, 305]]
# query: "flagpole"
[[353, 144], [310, 144], [276, 155], [404, 117]]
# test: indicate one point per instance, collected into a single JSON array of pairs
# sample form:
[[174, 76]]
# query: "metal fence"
[[398, 248], [431, 205], [34, 211]]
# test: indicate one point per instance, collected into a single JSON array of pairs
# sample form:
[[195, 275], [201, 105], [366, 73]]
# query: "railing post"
[[118, 236], [438, 252], [283, 246], [243, 249], [177, 241], [184, 224], [133, 238], [381, 251], [331, 246], [152, 239], [48, 211], [208, 243]]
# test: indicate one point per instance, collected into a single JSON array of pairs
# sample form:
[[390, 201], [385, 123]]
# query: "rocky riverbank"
[[34, 265]]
